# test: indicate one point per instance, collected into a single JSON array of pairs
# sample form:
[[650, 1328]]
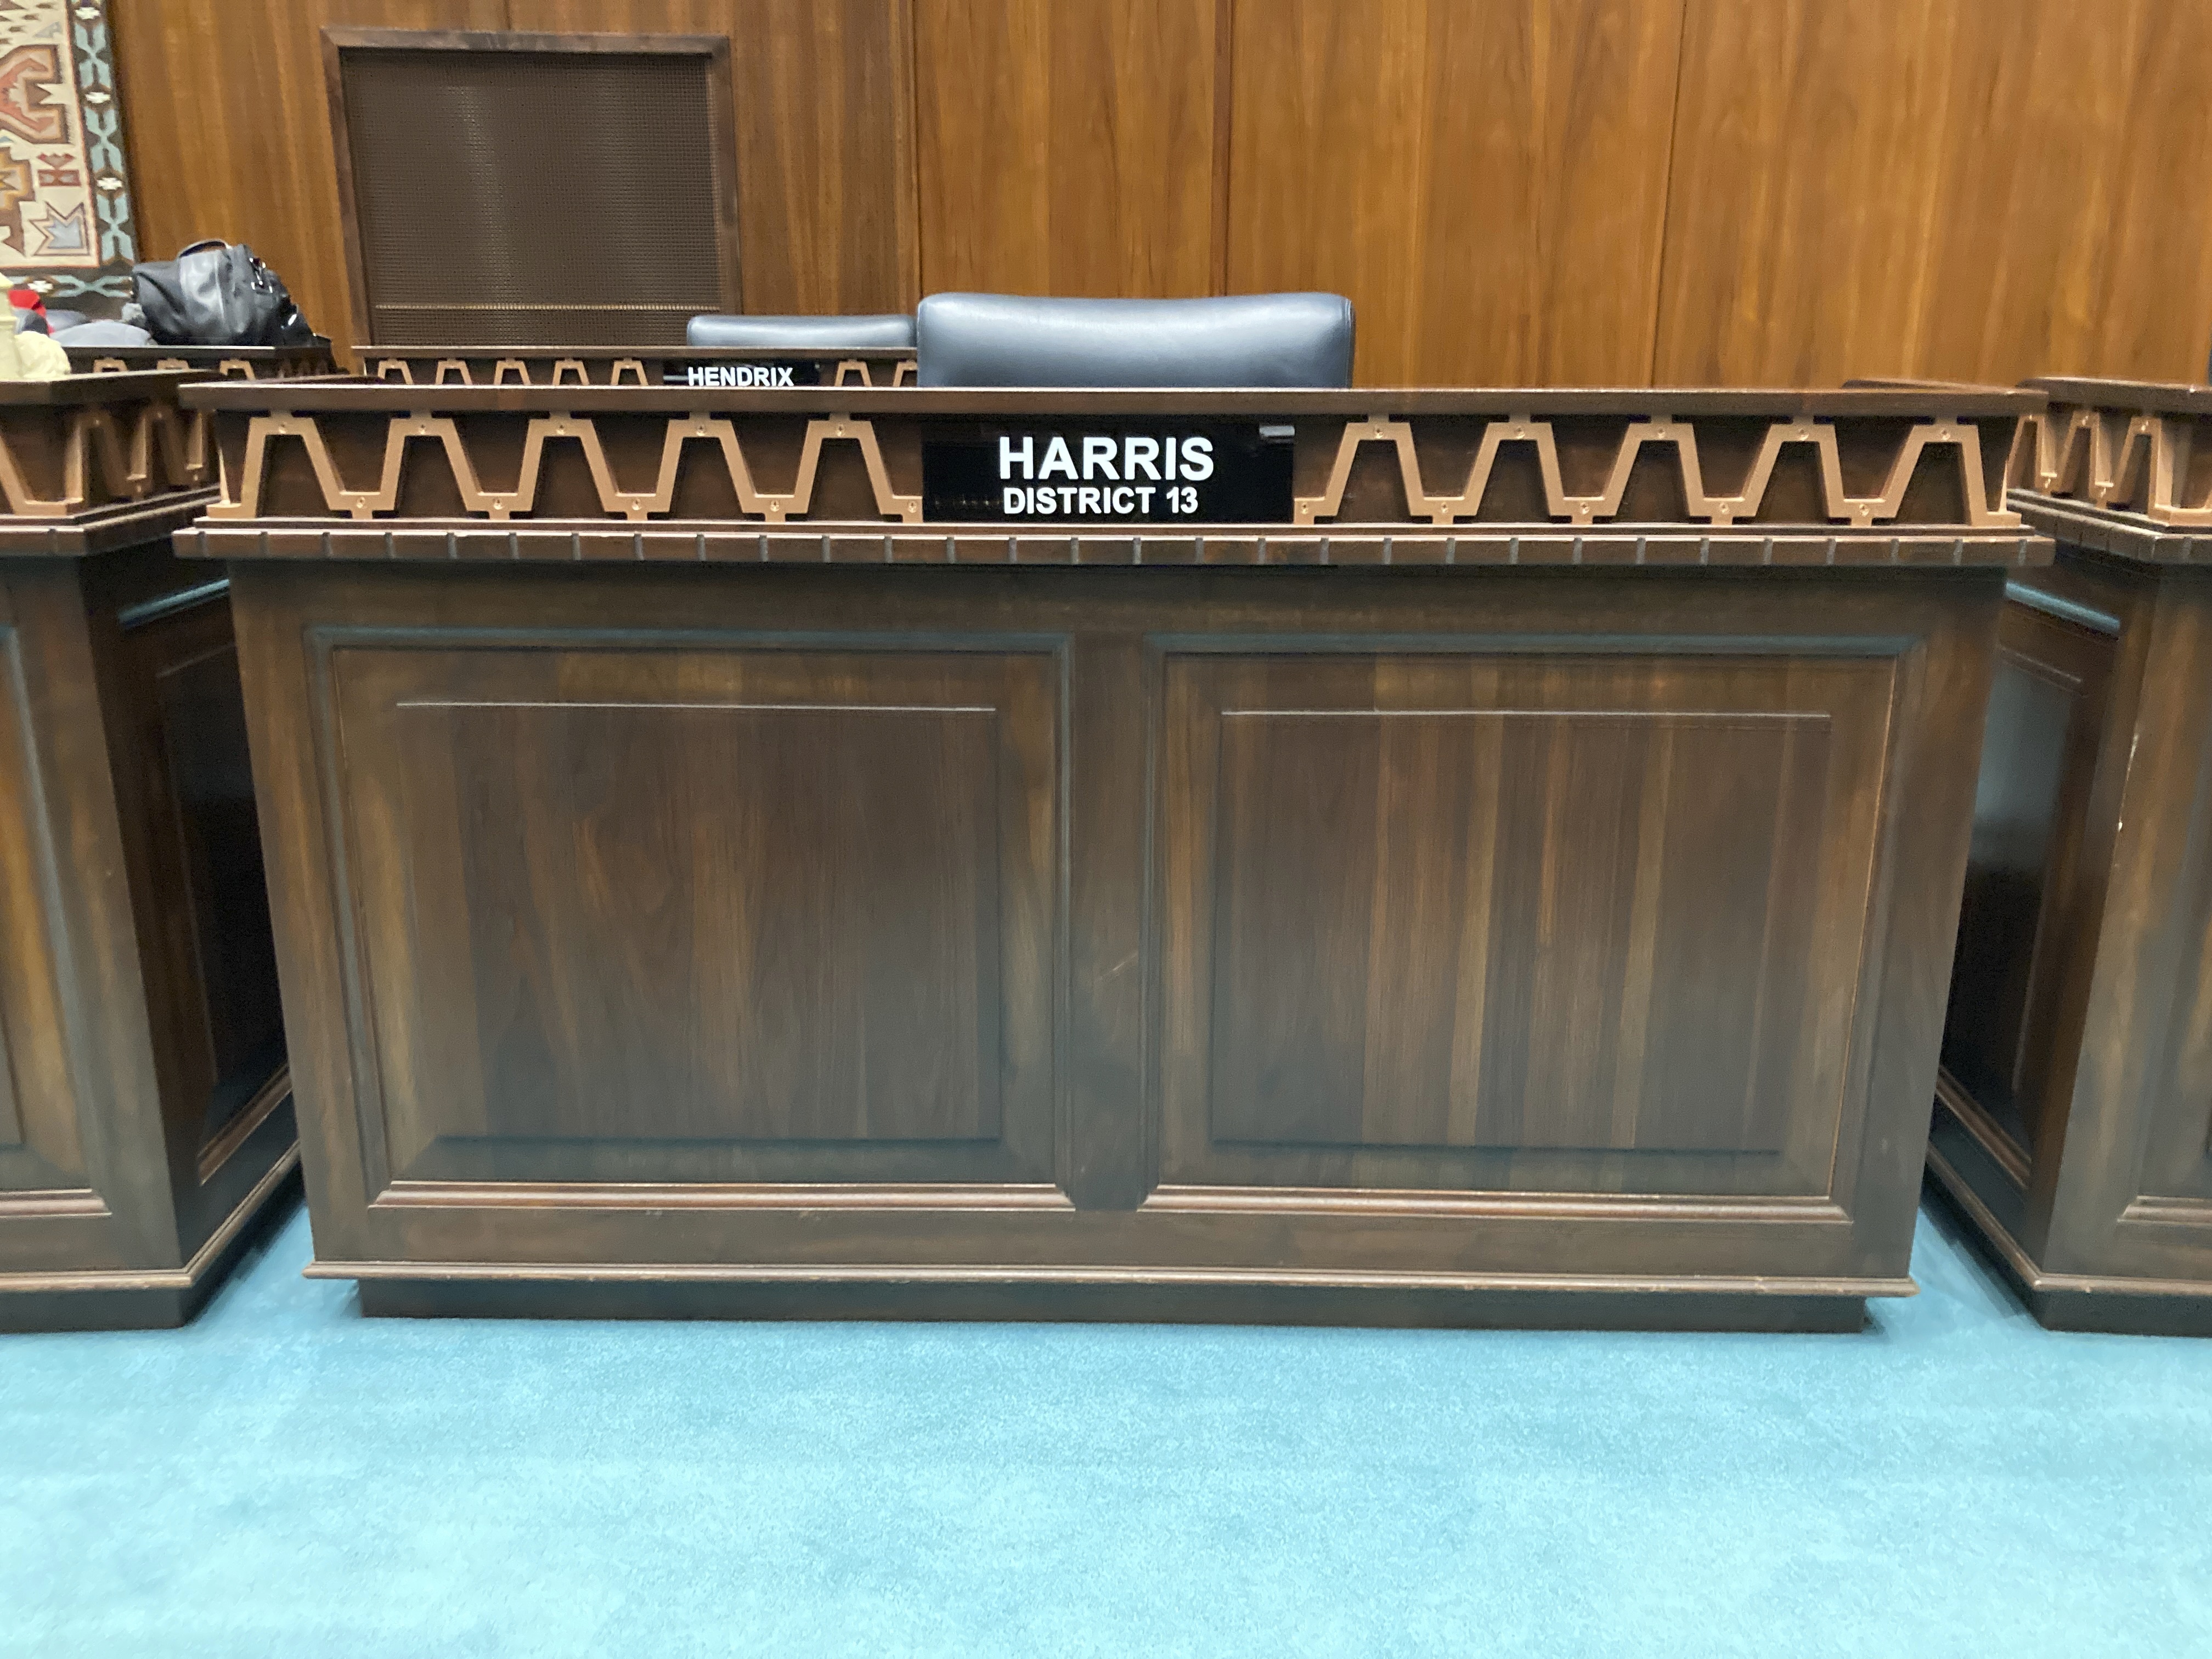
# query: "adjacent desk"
[[234, 362], [1435, 856], [767, 367], [144, 1112], [2073, 1120]]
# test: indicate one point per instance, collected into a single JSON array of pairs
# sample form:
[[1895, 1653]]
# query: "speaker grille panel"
[[519, 196]]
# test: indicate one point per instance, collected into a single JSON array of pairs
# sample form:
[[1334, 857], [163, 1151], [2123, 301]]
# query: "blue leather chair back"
[[1241, 340], [804, 333]]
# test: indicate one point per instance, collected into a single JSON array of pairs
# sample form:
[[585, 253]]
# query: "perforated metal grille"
[[530, 198]]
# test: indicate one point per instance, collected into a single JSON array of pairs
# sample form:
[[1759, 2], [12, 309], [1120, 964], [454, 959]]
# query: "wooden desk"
[[144, 1111], [1515, 883], [234, 362], [2073, 1119], [645, 366]]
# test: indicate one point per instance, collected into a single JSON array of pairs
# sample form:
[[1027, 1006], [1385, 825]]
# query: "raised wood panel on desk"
[[665, 913], [2027, 918], [1490, 923], [184, 785], [825, 164], [90, 1164], [2149, 1043], [230, 135], [1068, 146], [1937, 187], [1486, 182], [40, 1144], [203, 987]]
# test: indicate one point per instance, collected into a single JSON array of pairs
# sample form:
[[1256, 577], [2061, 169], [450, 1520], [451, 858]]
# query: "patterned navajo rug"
[[65, 228]]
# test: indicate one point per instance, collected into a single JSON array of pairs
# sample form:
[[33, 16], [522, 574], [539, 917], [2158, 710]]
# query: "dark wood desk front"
[[1515, 885], [144, 1113], [2074, 1122]]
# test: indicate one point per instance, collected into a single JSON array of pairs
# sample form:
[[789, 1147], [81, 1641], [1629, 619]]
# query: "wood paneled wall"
[[825, 149], [1485, 182], [230, 133], [1542, 191], [1952, 188], [1068, 146]]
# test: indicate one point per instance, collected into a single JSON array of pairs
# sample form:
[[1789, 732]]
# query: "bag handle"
[[204, 242]]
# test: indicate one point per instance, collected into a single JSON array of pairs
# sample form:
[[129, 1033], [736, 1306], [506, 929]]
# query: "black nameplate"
[[1143, 471], [788, 375]]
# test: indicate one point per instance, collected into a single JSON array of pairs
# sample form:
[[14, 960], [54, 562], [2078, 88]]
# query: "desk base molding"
[[148, 1299], [1147, 1296], [2079, 1302]]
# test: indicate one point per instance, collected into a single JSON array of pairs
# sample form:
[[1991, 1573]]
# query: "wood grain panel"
[[1068, 146], [1937, 187], [623, 905], [215, 1001], [230, 135], [41, 1145], [1487, 183], [825, 131], [2072, 229], [1802, 207], [183, 790], [1564, 849], [2162, 972], [2022, 921], [1588, 925]]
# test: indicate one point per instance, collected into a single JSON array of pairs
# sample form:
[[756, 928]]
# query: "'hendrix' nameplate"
[[1110, 472], [755, 377]]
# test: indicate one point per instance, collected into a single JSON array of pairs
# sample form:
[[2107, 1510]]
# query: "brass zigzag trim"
[[500, 505], [127, 463], [1857, 511], [2073, 453]]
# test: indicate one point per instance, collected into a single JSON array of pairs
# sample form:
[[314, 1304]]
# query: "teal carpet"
[[285, 1477]]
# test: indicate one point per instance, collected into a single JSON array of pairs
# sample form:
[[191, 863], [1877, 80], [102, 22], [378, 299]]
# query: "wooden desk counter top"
[[667, 926]]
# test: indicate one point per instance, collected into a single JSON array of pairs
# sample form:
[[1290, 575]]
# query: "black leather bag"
[[216, 293]]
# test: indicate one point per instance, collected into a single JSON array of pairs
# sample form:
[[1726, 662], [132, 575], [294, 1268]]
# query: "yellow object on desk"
[[31, 357]]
